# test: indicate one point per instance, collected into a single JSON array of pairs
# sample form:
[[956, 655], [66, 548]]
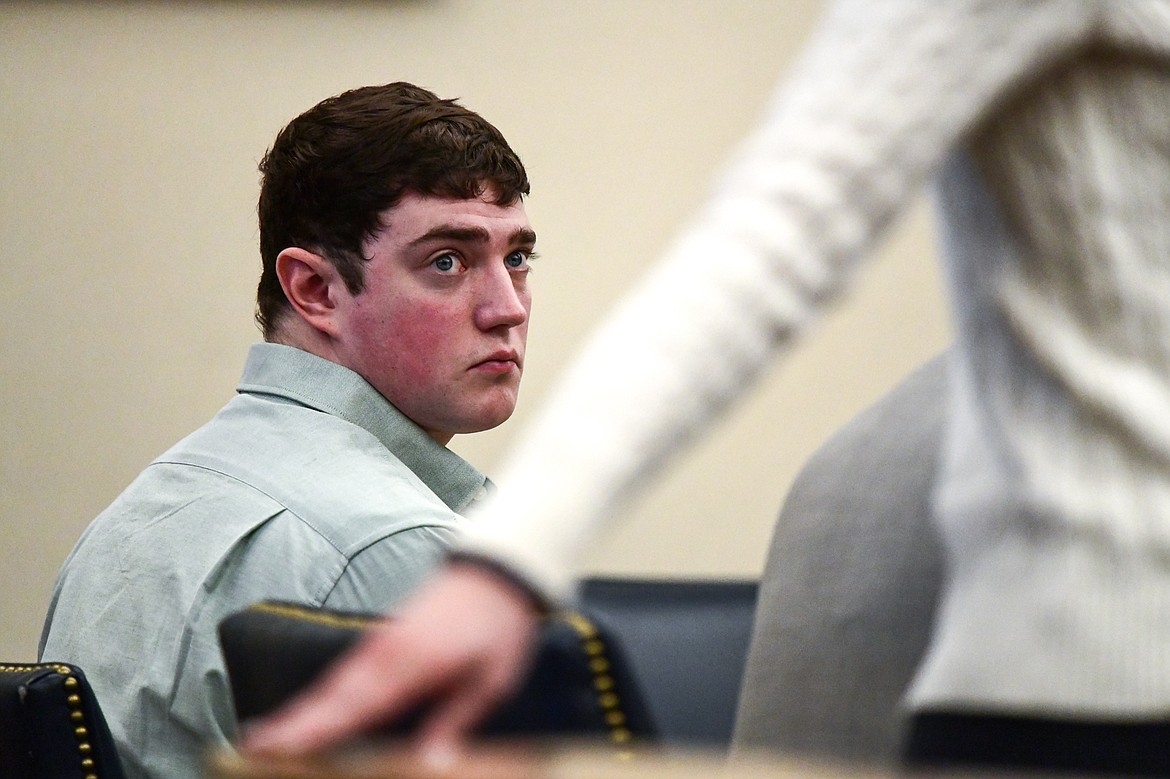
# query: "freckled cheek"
[[418, 343]]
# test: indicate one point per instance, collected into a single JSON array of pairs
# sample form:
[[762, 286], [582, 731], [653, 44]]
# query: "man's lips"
[[499, 362]]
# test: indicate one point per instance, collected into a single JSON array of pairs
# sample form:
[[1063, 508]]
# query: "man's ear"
[[312, 286]]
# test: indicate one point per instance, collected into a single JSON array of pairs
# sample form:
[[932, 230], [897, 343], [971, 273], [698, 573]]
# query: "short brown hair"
[[336, 168]]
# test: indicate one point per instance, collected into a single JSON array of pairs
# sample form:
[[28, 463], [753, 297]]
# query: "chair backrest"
[[51, 726], [848, 592], [579, 684], [686, 641]]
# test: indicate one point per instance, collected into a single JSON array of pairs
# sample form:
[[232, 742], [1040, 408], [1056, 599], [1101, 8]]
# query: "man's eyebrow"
[[476, 234]]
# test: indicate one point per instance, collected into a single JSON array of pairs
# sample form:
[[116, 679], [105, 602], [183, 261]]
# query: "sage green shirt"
[[308, 486]]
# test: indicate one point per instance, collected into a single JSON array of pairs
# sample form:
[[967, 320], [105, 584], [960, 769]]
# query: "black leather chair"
[[674, 653], [51, 726], [579, 685], [686, 642]]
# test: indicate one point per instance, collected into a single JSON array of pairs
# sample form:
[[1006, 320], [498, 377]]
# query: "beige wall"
[[129, 136]]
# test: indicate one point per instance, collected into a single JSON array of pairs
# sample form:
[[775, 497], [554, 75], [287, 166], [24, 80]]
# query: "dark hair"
[[336, 168]]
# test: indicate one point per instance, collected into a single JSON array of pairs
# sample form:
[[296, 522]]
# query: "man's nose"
[[503, 301]]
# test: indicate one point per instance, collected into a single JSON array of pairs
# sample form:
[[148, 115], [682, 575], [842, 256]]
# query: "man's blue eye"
[[445, 263], [517, 260]]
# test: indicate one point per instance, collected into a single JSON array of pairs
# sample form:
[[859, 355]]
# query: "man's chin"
[[491, 422], [486, 418]]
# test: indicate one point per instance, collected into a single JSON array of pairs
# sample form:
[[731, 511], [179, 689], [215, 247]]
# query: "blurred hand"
[[462, 643]]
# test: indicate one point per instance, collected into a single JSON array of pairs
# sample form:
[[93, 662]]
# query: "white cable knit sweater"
[[1047, 124]]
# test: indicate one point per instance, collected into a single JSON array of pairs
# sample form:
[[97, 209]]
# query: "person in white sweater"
[[1044, 125]]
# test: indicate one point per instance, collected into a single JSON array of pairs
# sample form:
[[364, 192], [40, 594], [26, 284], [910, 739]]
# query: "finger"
[[447, 729], [342, 703]]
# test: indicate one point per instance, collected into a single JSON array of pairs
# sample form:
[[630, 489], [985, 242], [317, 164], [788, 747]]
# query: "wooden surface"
[[532, 761]]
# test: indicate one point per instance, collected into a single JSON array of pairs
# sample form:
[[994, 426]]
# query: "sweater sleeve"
[[881, 94]]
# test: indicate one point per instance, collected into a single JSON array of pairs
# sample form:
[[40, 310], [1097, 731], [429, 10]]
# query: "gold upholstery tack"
[[72, 700], [599, 664]]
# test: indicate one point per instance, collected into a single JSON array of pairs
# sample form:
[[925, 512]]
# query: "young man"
[[394, 301]]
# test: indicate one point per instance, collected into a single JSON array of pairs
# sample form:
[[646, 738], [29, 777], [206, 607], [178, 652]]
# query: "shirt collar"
[[296, 375]]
